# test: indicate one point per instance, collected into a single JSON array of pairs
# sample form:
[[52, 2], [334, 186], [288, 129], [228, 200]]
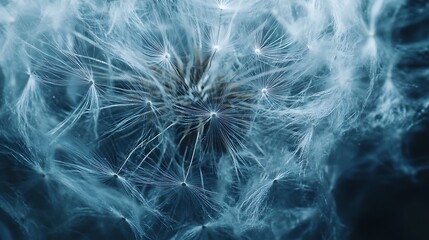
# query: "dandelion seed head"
[[161, 116]]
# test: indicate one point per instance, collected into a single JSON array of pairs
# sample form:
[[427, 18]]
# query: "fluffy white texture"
[[202, 105]]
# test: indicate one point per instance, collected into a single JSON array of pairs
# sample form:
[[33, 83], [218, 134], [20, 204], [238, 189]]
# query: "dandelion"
[[191, 119]]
